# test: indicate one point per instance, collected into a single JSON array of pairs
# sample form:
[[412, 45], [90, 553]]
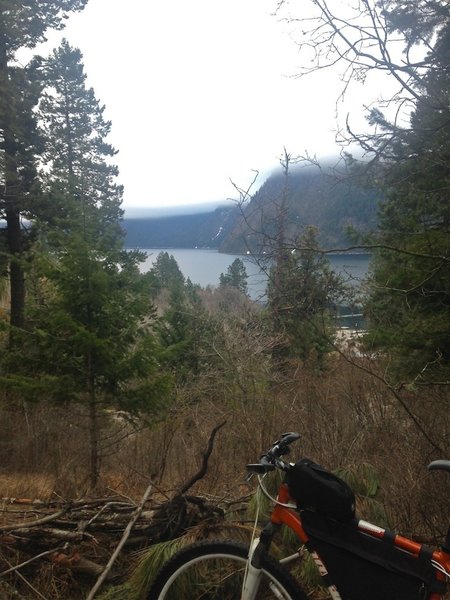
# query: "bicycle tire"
[[214, 570]]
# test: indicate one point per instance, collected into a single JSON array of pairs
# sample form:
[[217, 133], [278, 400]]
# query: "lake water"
[[205, 266]]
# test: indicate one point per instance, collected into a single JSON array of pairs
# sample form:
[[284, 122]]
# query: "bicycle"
[[356, 559]]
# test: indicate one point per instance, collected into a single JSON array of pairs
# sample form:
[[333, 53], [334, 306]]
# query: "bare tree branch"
[[202, 471]]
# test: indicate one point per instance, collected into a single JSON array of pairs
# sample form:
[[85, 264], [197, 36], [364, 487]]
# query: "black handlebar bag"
[[313, 487], [366, 568]]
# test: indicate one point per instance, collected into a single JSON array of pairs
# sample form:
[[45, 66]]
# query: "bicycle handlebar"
[[271, 459]]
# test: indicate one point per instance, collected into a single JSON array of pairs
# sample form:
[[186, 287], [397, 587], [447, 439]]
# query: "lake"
[[204, 266]]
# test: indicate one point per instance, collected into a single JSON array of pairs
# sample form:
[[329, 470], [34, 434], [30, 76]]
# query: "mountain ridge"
[[329, 200]]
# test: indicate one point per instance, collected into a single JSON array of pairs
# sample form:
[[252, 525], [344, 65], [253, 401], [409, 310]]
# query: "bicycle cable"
[[275, 500], [440, 568]]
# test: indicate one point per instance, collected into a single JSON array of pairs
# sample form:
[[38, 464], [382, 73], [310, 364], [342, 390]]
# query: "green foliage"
[[409, 303], [302, 291], [77, 155], [259, 503], [89, 332], [149, 562], [88, 325], [27, 22], [185, 332], [185, 328], [166, 273], [22, 24], [365, 483], [236, 276]]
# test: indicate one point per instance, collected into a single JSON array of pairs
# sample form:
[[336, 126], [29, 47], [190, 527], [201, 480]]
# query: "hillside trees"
[[185, 333], [22, 25], [407, 154], [302, 289], [90, 337]]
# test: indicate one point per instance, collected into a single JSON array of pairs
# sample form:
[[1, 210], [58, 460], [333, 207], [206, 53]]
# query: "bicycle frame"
[[284, 513]]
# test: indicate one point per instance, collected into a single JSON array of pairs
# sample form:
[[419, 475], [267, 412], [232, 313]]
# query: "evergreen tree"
[[409, 305], [89, 340], [302, 291], [166, 273], [22, 24], [235, 277], [185, 327], [184, 331], [77, 152]]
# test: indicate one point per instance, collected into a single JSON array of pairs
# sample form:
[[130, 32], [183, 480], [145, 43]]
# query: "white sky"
[[200, 92]]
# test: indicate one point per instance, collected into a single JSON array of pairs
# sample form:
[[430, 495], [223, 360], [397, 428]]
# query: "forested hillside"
[[201, 230], [333, 201]]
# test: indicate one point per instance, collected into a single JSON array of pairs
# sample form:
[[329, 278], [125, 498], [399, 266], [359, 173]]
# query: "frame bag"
[[313, 487], [366, 568]]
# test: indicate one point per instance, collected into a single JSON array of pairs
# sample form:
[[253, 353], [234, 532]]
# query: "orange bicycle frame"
[[283, 515]]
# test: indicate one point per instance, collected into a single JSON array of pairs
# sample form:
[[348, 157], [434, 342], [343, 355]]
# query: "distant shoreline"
[[164, 248]]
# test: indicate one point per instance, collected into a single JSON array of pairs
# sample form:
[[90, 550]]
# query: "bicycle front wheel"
[[215, 570]]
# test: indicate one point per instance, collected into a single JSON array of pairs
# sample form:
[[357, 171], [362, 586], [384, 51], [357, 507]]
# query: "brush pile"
[[74, 540], [78, 541]]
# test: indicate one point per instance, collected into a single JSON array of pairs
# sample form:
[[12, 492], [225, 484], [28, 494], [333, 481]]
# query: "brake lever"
[[280, 448]]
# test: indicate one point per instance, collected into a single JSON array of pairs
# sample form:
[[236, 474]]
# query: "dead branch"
[[66, 537], [37, 522], [32, 559], [202, 471], [52, 532]]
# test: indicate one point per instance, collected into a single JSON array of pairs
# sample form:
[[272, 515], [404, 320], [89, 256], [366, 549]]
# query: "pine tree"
[[185, 328], [409, 305], [302, 291], [166, 273], [23, 23], [77, 152], [235, 277], [89, 342]]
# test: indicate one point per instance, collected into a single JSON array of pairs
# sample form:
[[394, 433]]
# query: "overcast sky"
[[201, 92]]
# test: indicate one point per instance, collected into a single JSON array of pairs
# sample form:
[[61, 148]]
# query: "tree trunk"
[[93, 427], [16, 271], [93, 442], [10, 194]]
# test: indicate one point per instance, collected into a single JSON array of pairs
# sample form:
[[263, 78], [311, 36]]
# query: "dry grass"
[[344, 417], [27, 485]]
